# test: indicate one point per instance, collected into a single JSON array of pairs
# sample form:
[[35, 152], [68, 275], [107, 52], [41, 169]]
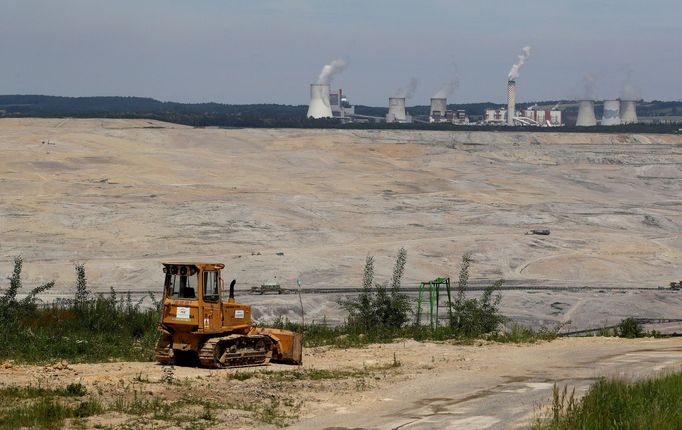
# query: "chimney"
[[511, 101]]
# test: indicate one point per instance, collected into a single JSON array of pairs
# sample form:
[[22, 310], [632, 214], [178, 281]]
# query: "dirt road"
[[498, 386], [406, 385]]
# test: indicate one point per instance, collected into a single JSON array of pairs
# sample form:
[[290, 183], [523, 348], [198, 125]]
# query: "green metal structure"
[[434, 289]]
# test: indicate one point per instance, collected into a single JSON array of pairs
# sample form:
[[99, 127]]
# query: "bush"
[[630, 328], [86, 328], [475, 317], [380, 305]]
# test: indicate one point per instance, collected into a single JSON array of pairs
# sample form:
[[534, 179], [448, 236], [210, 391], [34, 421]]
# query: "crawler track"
[[163, 351], [236, 351]]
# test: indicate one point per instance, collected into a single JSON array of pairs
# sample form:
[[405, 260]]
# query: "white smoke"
[[589, 86], [330, 70], [630, 91], [408, 90], [514, 72], [447, 89]]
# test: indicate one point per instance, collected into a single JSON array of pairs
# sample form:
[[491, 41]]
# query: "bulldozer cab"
[[195, 299]]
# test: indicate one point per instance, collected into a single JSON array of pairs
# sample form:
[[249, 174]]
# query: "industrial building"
[[496, 116], [628, 112], [586, 116], [529, 117], [319, 106], [340, 106], [540, 117], [439, 113], [396, 111], [611, 114]]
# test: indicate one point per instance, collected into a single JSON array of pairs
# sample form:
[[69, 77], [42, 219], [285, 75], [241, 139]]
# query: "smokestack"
[[611, 113], [586, 116], [511, 101], [628, 112], [319, 101], [439, 105], [396, 110]]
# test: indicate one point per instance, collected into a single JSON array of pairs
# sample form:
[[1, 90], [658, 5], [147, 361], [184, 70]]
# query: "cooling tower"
[[511, 102], [319, 101], [586, 116], [611, 113], [396, 110], [628, 112], [439, 105]]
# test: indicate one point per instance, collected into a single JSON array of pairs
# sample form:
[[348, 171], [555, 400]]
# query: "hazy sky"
[[261, 51]]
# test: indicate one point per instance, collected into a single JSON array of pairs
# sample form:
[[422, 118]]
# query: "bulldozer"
[[203, 324]]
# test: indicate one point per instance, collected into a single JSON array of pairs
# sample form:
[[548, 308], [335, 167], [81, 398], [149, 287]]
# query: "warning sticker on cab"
[[239, 313], [182, 313]]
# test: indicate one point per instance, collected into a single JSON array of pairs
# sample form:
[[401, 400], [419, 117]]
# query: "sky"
[[269, 51]]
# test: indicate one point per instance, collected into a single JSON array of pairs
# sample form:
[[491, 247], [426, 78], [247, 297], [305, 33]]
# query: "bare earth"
[[436, 385], [124, 195]]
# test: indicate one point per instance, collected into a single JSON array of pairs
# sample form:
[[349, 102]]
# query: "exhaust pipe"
[[231, 297]]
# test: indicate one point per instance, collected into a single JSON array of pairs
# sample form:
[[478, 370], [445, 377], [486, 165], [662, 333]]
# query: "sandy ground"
[[122, 196], [436, 385]]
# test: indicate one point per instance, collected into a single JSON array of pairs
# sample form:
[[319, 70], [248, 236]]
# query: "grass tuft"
[[654, 403]]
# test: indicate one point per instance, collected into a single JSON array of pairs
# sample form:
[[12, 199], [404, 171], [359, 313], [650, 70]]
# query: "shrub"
[[475, 317], [380, 305], [630, 328], [85, 328]]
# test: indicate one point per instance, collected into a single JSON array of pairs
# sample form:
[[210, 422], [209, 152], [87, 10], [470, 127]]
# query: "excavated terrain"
[[122, 196]]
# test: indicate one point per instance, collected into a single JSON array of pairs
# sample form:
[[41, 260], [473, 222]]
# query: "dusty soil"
[[124, 195], [432, 386]]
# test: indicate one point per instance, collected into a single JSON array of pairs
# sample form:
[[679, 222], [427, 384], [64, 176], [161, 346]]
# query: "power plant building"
[[340, 106], [628, 112], [396, 111], [495, 116], [611, 114], [540, 117], [586, 117], [319, 106], [439, 113]]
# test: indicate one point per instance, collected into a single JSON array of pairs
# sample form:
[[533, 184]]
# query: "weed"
[[278, 413], [615, 404], [76, 390], [241, 376], [395, 363], [168, 376], [141, 378], [83, 329]]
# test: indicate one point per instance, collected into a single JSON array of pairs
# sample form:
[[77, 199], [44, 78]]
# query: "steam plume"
[[330, 70], [514, 72], [447, 89], [629, 91], [408, 91], [590, 86]]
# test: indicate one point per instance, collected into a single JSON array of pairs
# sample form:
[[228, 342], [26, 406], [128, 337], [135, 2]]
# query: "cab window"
[[181, 286], [210, 286]]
